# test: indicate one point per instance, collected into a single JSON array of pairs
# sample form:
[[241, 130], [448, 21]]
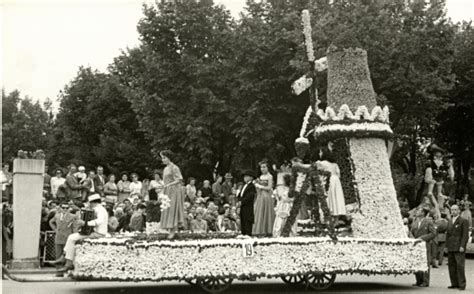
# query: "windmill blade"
[[321, 64], [301, 84]]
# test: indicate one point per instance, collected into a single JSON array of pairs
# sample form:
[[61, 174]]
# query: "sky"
[[43, 42]]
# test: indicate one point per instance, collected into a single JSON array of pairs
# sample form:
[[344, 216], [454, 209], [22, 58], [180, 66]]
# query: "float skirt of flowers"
[[117, 259]]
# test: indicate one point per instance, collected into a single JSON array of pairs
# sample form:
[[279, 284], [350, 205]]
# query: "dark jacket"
[[441, 226], [99, 182], [426, 231], [73, 188], [457, 234], [246, 200]]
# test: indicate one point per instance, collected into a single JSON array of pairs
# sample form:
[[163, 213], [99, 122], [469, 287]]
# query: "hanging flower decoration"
[[305, 179]]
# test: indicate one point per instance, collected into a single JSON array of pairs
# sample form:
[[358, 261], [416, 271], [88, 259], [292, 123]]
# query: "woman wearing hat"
[[436, 172], [172, 178]]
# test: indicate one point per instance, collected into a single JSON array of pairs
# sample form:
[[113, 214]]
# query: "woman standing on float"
[[264, 209], [172, 178]]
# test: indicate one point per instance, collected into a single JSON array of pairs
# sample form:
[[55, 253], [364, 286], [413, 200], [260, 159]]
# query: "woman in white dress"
[[283, 207], [336, 202]]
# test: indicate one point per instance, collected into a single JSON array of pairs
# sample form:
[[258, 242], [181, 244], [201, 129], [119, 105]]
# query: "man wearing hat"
[[436, 172], [246, 198], [100, 230], [227, 188]]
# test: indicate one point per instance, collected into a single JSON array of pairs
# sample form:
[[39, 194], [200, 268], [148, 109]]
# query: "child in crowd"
[[137, 221], [199, 225]]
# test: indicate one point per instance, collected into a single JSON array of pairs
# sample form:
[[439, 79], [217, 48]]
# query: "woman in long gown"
[[172, 178], [336, 202], [264, 209]]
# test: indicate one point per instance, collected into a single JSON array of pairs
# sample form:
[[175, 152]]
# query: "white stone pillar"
[[27, 198]]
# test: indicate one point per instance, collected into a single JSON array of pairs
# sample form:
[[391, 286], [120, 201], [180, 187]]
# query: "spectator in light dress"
[[123, 187], [56, 182], [135, 187], [111, 189], [191, 190], [156, 184]]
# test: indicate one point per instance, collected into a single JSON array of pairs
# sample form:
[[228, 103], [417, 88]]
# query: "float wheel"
[[192, 282], [293, 279], [320, 281], [215, 285]]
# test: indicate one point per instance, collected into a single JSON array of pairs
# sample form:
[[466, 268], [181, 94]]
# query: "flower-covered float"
[[358, 130]]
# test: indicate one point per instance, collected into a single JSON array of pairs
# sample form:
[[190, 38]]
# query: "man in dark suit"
[[72, 187], [423, 228], [99, 181], [456, 241], [246, 198]]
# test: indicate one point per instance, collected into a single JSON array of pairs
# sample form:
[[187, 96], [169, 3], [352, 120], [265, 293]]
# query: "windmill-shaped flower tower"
[[358, 130]]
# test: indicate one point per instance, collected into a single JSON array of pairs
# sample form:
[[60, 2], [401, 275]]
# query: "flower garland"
[[342, 156], [302, 180], [305, 121], [308, 41], [100, 259], [362, 113], [332, 131]]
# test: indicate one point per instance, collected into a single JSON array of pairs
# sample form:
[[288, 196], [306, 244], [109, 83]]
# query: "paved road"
[[346, 283]]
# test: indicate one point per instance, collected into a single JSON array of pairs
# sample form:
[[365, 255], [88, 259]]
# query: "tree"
[[97, 126], [178, 80], [26, 125], [457, 120]]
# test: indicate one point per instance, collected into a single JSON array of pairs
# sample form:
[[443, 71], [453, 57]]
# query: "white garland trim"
[[100, 259], [305, 121], [377, 114], [354, 127]]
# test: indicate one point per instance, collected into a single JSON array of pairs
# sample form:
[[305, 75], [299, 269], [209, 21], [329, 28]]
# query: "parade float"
[[359, 132]]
